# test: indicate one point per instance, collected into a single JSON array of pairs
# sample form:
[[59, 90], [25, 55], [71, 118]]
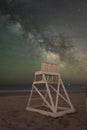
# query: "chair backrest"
[[48, 67]]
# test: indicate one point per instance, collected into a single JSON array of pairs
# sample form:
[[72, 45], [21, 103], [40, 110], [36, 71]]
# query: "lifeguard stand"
[[53, 99]]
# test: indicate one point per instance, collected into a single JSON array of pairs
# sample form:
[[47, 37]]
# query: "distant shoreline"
[[27, 92], [24, 88]]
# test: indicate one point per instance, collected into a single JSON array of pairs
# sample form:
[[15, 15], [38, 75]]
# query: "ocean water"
[[23, 88], [13, 87]]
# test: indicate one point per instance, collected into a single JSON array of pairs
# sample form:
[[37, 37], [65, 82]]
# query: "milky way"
[[52, 31]]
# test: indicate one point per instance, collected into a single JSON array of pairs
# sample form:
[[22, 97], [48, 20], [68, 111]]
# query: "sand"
[[13, 115]]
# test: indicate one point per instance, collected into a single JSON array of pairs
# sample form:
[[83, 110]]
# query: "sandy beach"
[[13, 115]]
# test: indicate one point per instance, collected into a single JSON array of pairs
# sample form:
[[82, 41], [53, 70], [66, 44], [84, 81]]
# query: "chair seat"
[[44, 72]]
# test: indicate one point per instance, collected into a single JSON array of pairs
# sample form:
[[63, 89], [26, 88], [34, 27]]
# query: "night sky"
[[32, 31]]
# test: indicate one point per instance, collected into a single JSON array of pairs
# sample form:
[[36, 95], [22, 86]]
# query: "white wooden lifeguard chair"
[[54, 100]]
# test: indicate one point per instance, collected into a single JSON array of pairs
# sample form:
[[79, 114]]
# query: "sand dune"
[[13, 115]]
